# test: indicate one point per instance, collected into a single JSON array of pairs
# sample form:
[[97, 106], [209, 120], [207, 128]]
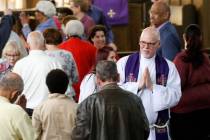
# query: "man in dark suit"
[[170, 43], [112, 113]]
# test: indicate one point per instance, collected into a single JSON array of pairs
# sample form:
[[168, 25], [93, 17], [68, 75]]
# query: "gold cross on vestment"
[[111, 13]]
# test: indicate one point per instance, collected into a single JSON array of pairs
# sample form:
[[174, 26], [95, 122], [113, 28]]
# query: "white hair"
[[12, 46], [74, 27], [36, 40], [46, 7]]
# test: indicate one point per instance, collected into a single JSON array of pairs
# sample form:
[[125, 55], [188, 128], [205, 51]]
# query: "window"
[[12, 4], [62, 3]]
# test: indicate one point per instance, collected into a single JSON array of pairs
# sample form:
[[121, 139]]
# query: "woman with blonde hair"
[[10, 55]]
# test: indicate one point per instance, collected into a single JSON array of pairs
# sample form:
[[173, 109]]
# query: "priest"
[[154, 79]]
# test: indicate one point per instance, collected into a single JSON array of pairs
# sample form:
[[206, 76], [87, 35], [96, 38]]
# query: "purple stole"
[[162, 70]]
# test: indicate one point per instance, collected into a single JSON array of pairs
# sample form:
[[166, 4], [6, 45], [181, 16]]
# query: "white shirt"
[[87, 87], [33, 69], [162, 97]]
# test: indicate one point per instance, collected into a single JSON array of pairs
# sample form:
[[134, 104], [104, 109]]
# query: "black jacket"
[[111, 114]]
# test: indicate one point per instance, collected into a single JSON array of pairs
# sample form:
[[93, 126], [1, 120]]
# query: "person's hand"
[[24, 18], [21, 100], [142, 82], [145, 81], [148, 81], [8, 12]]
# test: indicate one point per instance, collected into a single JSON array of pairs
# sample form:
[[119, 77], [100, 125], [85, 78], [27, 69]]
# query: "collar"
[[147, 62], [36, 52], [56, 95], [158, 28], [143, 59], [110, 86], [4, 99]]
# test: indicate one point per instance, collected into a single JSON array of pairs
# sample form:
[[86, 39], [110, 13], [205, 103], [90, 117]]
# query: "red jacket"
[[195, 85], [84, 56]]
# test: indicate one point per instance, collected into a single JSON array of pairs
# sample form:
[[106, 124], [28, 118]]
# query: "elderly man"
[[82, 51], [158, 82], [57, 112], [45, 10], [112, 113], [169, 40], [15, 124], [33, 69]]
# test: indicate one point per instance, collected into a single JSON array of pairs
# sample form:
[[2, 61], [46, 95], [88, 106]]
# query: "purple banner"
[[116, 11]]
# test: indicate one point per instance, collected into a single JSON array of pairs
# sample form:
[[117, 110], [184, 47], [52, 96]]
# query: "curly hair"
[[95, 29]]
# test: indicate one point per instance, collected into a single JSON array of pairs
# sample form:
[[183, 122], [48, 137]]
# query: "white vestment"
[[162, 97], [87, 87]]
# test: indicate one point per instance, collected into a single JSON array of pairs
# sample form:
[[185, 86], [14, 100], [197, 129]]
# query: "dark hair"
[[103, 53], [67, 18], [64, 11], [52, 36], [95, 29], [57, 81], [194, 45]]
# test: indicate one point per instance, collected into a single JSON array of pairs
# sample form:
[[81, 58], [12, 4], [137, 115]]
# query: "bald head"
[[10, 82], [151, 33], [159, 13], [149, 42], [36, 41]]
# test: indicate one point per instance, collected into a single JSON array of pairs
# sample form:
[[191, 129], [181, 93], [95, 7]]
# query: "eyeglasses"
[[150, 44], [12, 55]]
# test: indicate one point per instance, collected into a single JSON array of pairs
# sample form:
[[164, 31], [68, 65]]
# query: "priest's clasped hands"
[[145, 81]]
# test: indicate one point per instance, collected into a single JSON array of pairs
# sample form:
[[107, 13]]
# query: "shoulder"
[[22, 61], [96, 9], [172, 66], [65, 43], [89, 76], [168, 28], [123, 59], [178, 58], [17, 110], [65, 53], [170, 63], [88, 44]]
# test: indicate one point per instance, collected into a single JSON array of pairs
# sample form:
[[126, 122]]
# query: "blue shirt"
[[50, 23]]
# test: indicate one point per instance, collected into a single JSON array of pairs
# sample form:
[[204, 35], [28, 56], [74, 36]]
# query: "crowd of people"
[[64, 80]]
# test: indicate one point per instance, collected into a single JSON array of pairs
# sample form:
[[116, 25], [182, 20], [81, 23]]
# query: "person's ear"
[[158, 44], [185, 42], [14, 95], [99, 82]]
